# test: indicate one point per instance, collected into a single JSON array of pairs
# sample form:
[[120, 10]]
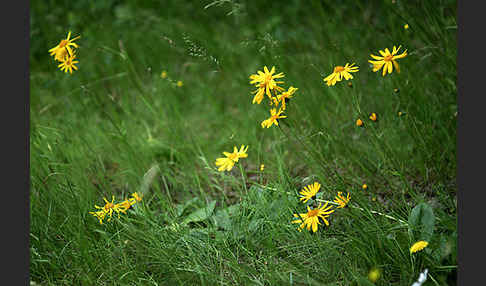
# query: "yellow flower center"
[[313, 213], [268, 78], [233, 156], [388, 58], [109, 206], [338, 69], [63, 43]]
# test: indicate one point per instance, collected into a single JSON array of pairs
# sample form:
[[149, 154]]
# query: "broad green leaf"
[[200, 214], [422, 220]]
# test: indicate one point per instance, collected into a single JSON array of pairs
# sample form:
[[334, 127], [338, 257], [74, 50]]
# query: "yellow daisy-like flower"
[[68, 64], [387, 60], [311, 218], [342, 200], [359, 123], [107, 209], [163, 74], [419, 245], [309, 191], [285, 96], [125, 205], [265, 82], [262, 167], [405, 26], [339, 73], [180, 83], [64, 48], [227, 163], [274, 116], [365, 186]]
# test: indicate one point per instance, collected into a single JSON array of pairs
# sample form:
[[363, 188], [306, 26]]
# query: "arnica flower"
[[108, 209], [365, 186], [285, 96], [373, 116], [274, 116], [311, 218], [405, 26], [339, 73], [262, 167], [387, 60], [265, 82], [180, 83], [64, 48], [418, 246], [227, 163], [309, 191], [342, 200], [68, 64], [163, 74], [359, 123]]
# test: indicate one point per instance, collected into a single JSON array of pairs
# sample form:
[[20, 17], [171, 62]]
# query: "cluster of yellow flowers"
[[312, 216], [387, 61], [110, 207], [64, 52], [266, 84]]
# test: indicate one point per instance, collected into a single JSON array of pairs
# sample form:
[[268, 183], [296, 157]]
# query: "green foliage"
[[421, 222]]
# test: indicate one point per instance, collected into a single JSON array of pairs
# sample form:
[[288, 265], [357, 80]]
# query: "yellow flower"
[[100, 215], [405, 26], [227, 163], [311, 218], [274, 116], [359, 122], [68, 64], [180, 83], [365, 186], [285, 96], [419, 245], [136, 197], [374, 274], [64, 48], [309, 191], [387, 60], [163, 74], [373, 116], [125, 205], [339, 73], [262, 167], [265, 82], [342, 200]]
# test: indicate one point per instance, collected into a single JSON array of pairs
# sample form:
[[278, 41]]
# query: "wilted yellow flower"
[[311, 218], [285, 96], [163, 74], [64, 48], [387, 60], [309, 191], [419, 245], [339, 73], [180, 83], [265, 82], [274, 116], [342, 200], [68, 64]]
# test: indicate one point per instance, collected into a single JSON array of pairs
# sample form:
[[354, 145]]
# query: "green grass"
[[98, 132]]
